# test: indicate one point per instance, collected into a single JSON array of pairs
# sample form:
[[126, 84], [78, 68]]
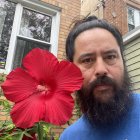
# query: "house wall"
[[132, 56], [115, 12], [90, 7], [133, 3], [70, 9]]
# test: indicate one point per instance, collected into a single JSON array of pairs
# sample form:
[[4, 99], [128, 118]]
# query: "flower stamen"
[[41, 88]]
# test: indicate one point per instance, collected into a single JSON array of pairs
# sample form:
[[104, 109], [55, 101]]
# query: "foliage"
[[78, 110], [8, 131]]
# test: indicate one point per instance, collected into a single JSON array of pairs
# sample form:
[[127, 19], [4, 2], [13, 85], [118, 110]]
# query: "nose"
[[100, 68]]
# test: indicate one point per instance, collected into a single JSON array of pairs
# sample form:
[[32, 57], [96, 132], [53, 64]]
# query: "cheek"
[[118, 74], [87, 75], [84, 73]]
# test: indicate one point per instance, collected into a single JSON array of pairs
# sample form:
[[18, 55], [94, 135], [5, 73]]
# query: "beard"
[[112, 111]]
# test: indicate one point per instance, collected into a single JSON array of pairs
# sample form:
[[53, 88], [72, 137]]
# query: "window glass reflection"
[[36, 25], [7, 11]]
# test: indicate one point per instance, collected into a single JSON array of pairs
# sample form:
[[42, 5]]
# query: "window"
[[133, 18], [24, 26], [7, 10]]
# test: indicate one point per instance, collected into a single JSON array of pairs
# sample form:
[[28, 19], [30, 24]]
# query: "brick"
[[120, 8]]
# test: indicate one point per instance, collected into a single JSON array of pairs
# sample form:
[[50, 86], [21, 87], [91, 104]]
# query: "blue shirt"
[[128, 129]]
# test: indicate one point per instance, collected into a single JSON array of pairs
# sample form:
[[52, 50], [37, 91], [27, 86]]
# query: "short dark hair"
[[90, 23]]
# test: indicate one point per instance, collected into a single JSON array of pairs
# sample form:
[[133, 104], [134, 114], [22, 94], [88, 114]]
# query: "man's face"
[[97, 54]]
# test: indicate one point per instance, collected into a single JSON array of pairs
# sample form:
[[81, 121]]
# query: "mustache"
[[102, 80]]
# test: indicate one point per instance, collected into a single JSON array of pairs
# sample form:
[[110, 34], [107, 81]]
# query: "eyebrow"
[[86, 55], [110, 51], [93, 54]]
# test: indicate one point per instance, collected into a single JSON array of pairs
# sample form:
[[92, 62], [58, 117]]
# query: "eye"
[[111, 59], [87, 60]]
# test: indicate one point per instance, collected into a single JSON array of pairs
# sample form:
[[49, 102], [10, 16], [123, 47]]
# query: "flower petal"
[[40, 64], [68, 76], [29, 111], [18, 85], [59, 108]]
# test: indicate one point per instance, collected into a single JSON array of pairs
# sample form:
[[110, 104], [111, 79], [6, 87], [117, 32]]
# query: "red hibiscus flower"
[[41, 90]]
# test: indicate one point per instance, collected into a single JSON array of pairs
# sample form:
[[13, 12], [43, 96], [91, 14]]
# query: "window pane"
[[131, 27], [7, 11], [23, 47], [36, 25], [131, 16], [136, 18]]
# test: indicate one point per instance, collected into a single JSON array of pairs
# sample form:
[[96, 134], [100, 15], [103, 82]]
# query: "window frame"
[[40, 7]]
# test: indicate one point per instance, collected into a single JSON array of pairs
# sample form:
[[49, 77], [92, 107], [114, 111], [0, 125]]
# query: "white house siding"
[[132, 56]]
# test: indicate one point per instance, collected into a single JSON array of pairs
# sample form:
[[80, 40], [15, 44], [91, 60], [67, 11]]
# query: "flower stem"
[[40, 131]]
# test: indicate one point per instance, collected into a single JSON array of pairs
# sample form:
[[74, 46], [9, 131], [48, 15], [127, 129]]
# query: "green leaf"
[[6, 104], [40, 131], [9, 127], [18, 136], [27, 134]]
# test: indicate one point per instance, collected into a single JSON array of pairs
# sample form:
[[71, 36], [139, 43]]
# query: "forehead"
[[95, 33], [94, 40]]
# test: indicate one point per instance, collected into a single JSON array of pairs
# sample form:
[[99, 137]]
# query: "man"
[[110, 110]]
